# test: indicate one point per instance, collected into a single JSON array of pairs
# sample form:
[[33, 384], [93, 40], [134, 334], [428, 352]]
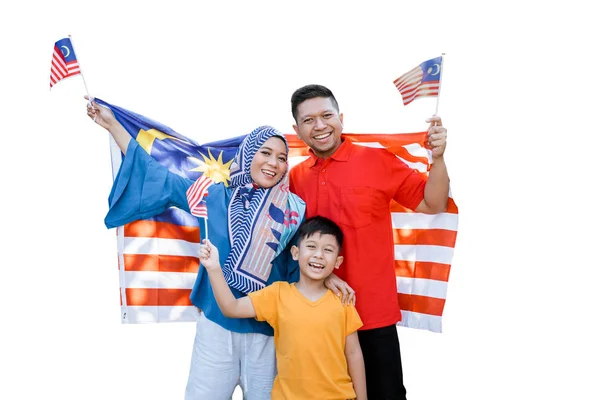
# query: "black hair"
[[310, 92], [322, 225]]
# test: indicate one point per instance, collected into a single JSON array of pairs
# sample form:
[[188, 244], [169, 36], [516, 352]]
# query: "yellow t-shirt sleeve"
[[265, 302], [353, 321]]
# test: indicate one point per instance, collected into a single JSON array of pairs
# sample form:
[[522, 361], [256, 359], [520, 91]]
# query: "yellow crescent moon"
[[67, 50]]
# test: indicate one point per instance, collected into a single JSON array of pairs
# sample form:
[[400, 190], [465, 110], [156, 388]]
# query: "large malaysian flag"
[[158, 256]]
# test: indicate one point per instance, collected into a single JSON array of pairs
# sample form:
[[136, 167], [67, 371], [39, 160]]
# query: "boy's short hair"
[[322, 225], [310, 92]]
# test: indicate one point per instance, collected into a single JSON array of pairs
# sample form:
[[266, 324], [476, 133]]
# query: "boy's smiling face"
[[317, 255]]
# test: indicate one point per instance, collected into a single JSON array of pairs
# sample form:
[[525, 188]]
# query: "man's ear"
[[342, 119], [338, 261], [294, 250], [296, 129]]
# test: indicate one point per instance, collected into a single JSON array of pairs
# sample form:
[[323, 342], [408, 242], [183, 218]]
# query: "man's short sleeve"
[[411, 189]]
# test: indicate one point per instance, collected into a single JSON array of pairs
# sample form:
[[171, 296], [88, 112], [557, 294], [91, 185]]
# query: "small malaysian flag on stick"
[[195, 197], [421, 81], [65, 63]]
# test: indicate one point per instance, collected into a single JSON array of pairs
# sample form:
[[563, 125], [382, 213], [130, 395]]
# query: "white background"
[[519, 100]]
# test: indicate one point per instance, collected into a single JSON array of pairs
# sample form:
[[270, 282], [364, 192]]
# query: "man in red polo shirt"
[[353, 185]]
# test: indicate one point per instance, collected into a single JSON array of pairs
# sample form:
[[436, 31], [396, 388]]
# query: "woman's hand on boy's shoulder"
[[341, 289]]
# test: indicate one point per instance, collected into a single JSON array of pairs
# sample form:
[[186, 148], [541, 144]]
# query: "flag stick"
[[81, 71], [206, 228], [437, 103]]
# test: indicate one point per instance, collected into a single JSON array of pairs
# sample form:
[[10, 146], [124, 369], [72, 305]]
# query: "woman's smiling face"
[[269, 163]]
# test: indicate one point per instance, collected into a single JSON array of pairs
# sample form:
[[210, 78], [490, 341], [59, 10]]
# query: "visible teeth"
[[316, 265], [322, 136], [269, 173]]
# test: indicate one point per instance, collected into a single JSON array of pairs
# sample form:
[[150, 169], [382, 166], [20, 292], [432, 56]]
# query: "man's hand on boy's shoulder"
[[341, 289], [209, 255]]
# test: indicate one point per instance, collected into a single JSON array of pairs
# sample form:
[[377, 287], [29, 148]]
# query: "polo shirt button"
[[323, 183], [323, 170]]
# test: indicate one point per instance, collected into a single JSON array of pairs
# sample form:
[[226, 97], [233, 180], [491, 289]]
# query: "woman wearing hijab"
[[262, 217]]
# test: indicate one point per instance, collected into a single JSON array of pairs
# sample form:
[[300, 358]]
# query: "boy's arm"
[[356, 365], [229, 305]]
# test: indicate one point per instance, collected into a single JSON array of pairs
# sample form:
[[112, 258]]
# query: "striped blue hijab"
[[256, 218]]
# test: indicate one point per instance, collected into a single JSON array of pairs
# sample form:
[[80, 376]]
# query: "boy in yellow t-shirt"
[[317, 348]]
